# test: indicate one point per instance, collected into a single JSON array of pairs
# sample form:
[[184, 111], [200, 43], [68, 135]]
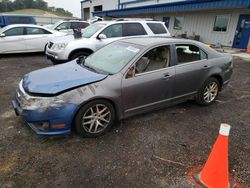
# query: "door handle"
[[205, 67], [166, 76]]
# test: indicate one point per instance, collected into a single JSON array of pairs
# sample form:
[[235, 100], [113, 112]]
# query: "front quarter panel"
[[109, 89]]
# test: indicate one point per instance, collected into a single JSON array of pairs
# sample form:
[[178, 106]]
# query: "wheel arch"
[[87, 50], [219, 78], [115, 106]]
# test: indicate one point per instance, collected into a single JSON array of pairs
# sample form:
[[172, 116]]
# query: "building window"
[[97, 8], [178, 23], [221, 23]]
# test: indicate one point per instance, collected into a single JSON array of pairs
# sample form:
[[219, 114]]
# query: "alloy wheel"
[[210, 92], [96, 118]]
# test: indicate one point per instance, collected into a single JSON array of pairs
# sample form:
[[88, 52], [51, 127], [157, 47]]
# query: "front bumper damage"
[[47, 121]]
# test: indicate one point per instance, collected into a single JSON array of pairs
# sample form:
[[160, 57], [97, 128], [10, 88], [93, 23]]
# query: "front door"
[[166, 21], [13, 41], [151, 85], [242, 33]]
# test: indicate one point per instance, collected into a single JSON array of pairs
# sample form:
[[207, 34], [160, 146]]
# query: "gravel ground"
[[151, 150]]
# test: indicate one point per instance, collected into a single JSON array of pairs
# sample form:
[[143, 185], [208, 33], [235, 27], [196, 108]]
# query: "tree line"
[[8, 5]]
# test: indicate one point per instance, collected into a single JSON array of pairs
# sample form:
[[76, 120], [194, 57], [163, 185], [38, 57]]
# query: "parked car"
[[124, 78], [100, 34], [9, 19], [68, 26], [20, 38]]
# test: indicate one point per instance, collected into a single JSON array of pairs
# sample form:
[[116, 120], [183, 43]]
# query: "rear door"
[[13, 41], [192, 66], [36, 38]]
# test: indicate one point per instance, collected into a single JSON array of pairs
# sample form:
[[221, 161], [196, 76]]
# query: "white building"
[[211, 21]]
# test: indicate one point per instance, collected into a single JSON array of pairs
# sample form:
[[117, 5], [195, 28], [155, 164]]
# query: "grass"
[[36, 12]]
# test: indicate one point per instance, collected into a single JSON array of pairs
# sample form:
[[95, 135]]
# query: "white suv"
[[99, 34]]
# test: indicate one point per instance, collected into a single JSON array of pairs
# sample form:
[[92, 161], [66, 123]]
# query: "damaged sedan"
[[124, 78]]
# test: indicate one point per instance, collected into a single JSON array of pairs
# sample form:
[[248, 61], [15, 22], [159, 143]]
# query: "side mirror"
[[2, 35], [131, 72], [102, 36]]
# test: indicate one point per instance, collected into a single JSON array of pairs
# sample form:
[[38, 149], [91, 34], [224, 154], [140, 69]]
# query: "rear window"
[[79, 25], [17, 19], [36, 31], [157, 28], [132, 29]]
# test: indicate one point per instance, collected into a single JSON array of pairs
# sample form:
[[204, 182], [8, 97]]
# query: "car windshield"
[[112, 58], [92, 29]]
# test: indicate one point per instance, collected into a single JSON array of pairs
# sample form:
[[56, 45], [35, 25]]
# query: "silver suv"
[[99, 34]]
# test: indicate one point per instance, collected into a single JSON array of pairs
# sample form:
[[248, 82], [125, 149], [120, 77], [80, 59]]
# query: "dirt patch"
[[152, 150]]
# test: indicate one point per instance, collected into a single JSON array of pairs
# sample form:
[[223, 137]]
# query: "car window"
[[133, 29], [113, 57], [64, 26], [92, 29], [113, 31], [14, 31], [188, 53], [155, 59], [157, 28], [36, 31], [78, 25]]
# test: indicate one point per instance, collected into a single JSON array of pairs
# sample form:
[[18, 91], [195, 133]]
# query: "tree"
[[8, 5]]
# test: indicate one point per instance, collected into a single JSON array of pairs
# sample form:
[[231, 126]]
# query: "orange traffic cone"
[[248, 49], [215, 172]]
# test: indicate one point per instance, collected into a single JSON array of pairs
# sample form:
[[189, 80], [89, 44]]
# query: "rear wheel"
[[81, 54], [95, 118], [208, 92]]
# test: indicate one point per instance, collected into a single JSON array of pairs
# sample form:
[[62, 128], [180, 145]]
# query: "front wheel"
[[95, 118], [208, 92]]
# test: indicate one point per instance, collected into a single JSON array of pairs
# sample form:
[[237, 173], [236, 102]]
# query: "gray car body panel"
[[184, 81]]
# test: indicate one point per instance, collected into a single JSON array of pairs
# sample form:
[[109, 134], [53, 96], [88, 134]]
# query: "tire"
[[206, 95], [45, 48], [90, 124], [79, 54]]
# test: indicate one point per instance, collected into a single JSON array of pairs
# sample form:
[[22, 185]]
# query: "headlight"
[[43, 103], [60, 46], [31, 102]]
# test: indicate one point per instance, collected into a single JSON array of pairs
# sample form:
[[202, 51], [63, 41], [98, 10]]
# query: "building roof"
[[178, 6]]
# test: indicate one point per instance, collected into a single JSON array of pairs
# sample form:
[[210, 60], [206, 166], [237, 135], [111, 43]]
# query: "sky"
[[74, 6]]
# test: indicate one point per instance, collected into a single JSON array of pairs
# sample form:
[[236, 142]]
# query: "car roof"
[[61, 21], [151, 41], [24, 25], [129, 21], [154, 40]]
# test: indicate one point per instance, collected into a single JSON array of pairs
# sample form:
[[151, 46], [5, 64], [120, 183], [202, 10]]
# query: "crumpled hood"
[[56, 79]]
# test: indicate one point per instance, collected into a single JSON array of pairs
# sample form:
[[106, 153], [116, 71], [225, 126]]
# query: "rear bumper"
[[54, 116], [227, 77]]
